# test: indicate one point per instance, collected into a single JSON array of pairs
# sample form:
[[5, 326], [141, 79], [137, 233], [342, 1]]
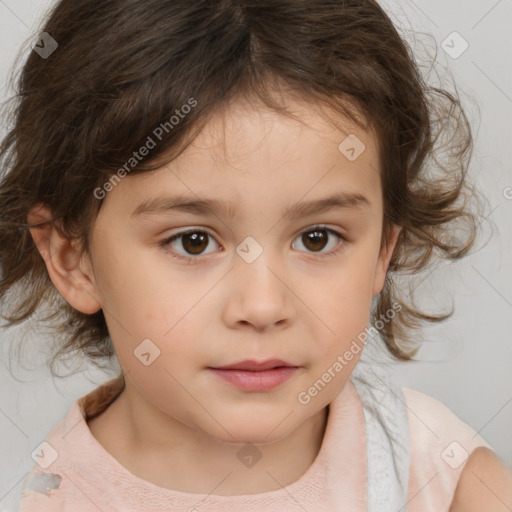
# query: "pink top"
[[75, 473]]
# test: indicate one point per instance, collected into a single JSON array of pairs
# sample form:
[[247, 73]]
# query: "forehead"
[[250, 156], [244, 127]]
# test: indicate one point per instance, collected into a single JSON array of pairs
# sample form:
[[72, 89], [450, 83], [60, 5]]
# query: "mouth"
[[256, 376], [255, 366]]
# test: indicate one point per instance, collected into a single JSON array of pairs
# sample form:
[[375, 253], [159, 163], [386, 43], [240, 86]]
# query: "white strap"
[[387, 433]]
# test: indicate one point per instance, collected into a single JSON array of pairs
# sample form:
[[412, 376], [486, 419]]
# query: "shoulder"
[[70, 455], [429, 406], [42, 487], [440, 446], [485, 484], [432, 422]]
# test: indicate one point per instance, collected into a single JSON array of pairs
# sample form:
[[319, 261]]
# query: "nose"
[[259, 296]]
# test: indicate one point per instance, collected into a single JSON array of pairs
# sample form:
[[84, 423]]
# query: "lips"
[[255, 366], [256, 377]]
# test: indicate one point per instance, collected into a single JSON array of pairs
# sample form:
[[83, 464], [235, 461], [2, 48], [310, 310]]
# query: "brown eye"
[[193, 242], [316, 239]]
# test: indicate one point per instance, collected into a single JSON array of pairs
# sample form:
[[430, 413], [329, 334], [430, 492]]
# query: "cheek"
[[132, 281], [343, 305], [344, 292]]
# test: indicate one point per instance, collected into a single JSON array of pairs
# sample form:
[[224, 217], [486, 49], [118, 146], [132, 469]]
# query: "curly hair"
[[122, 68]]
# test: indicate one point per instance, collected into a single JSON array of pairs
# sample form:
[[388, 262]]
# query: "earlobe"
[[384, 259], [69, 273]]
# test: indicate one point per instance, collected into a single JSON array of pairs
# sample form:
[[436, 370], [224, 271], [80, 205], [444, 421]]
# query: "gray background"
[[466, 362]]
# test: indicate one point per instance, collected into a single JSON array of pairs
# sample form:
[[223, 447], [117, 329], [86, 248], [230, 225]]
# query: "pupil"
[[194, 240], [314, 238]]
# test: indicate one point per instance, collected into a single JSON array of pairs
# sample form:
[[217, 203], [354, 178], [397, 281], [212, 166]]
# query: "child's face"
[[299, 300]]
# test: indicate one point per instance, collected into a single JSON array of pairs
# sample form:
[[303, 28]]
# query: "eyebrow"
[[204, 206]]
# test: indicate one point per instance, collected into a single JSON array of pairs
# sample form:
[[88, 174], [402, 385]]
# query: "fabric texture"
[[387, 436]]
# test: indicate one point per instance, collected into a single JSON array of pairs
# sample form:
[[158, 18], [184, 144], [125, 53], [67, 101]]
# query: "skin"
[[484, 484], [175, 424]]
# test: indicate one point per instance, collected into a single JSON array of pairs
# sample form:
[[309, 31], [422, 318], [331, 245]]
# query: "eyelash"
[[191, 260]]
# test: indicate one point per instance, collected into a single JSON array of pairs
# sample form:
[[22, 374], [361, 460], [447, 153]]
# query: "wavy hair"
[[124, 67]]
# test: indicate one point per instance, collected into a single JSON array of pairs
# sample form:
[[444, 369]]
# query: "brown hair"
[[122, 69]]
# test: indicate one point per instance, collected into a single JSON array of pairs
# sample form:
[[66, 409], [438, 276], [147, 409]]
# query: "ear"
[[386, 252], [70, 273]]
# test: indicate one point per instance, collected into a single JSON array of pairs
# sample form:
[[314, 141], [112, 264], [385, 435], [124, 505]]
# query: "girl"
[[221, 193]]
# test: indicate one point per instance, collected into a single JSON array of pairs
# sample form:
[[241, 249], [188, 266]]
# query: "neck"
[[164, 451]]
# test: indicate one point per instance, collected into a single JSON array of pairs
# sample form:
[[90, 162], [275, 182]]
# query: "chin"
[[243, 439], [250, 431]]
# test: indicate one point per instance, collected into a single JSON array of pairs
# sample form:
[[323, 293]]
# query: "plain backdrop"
[[466, 362]]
